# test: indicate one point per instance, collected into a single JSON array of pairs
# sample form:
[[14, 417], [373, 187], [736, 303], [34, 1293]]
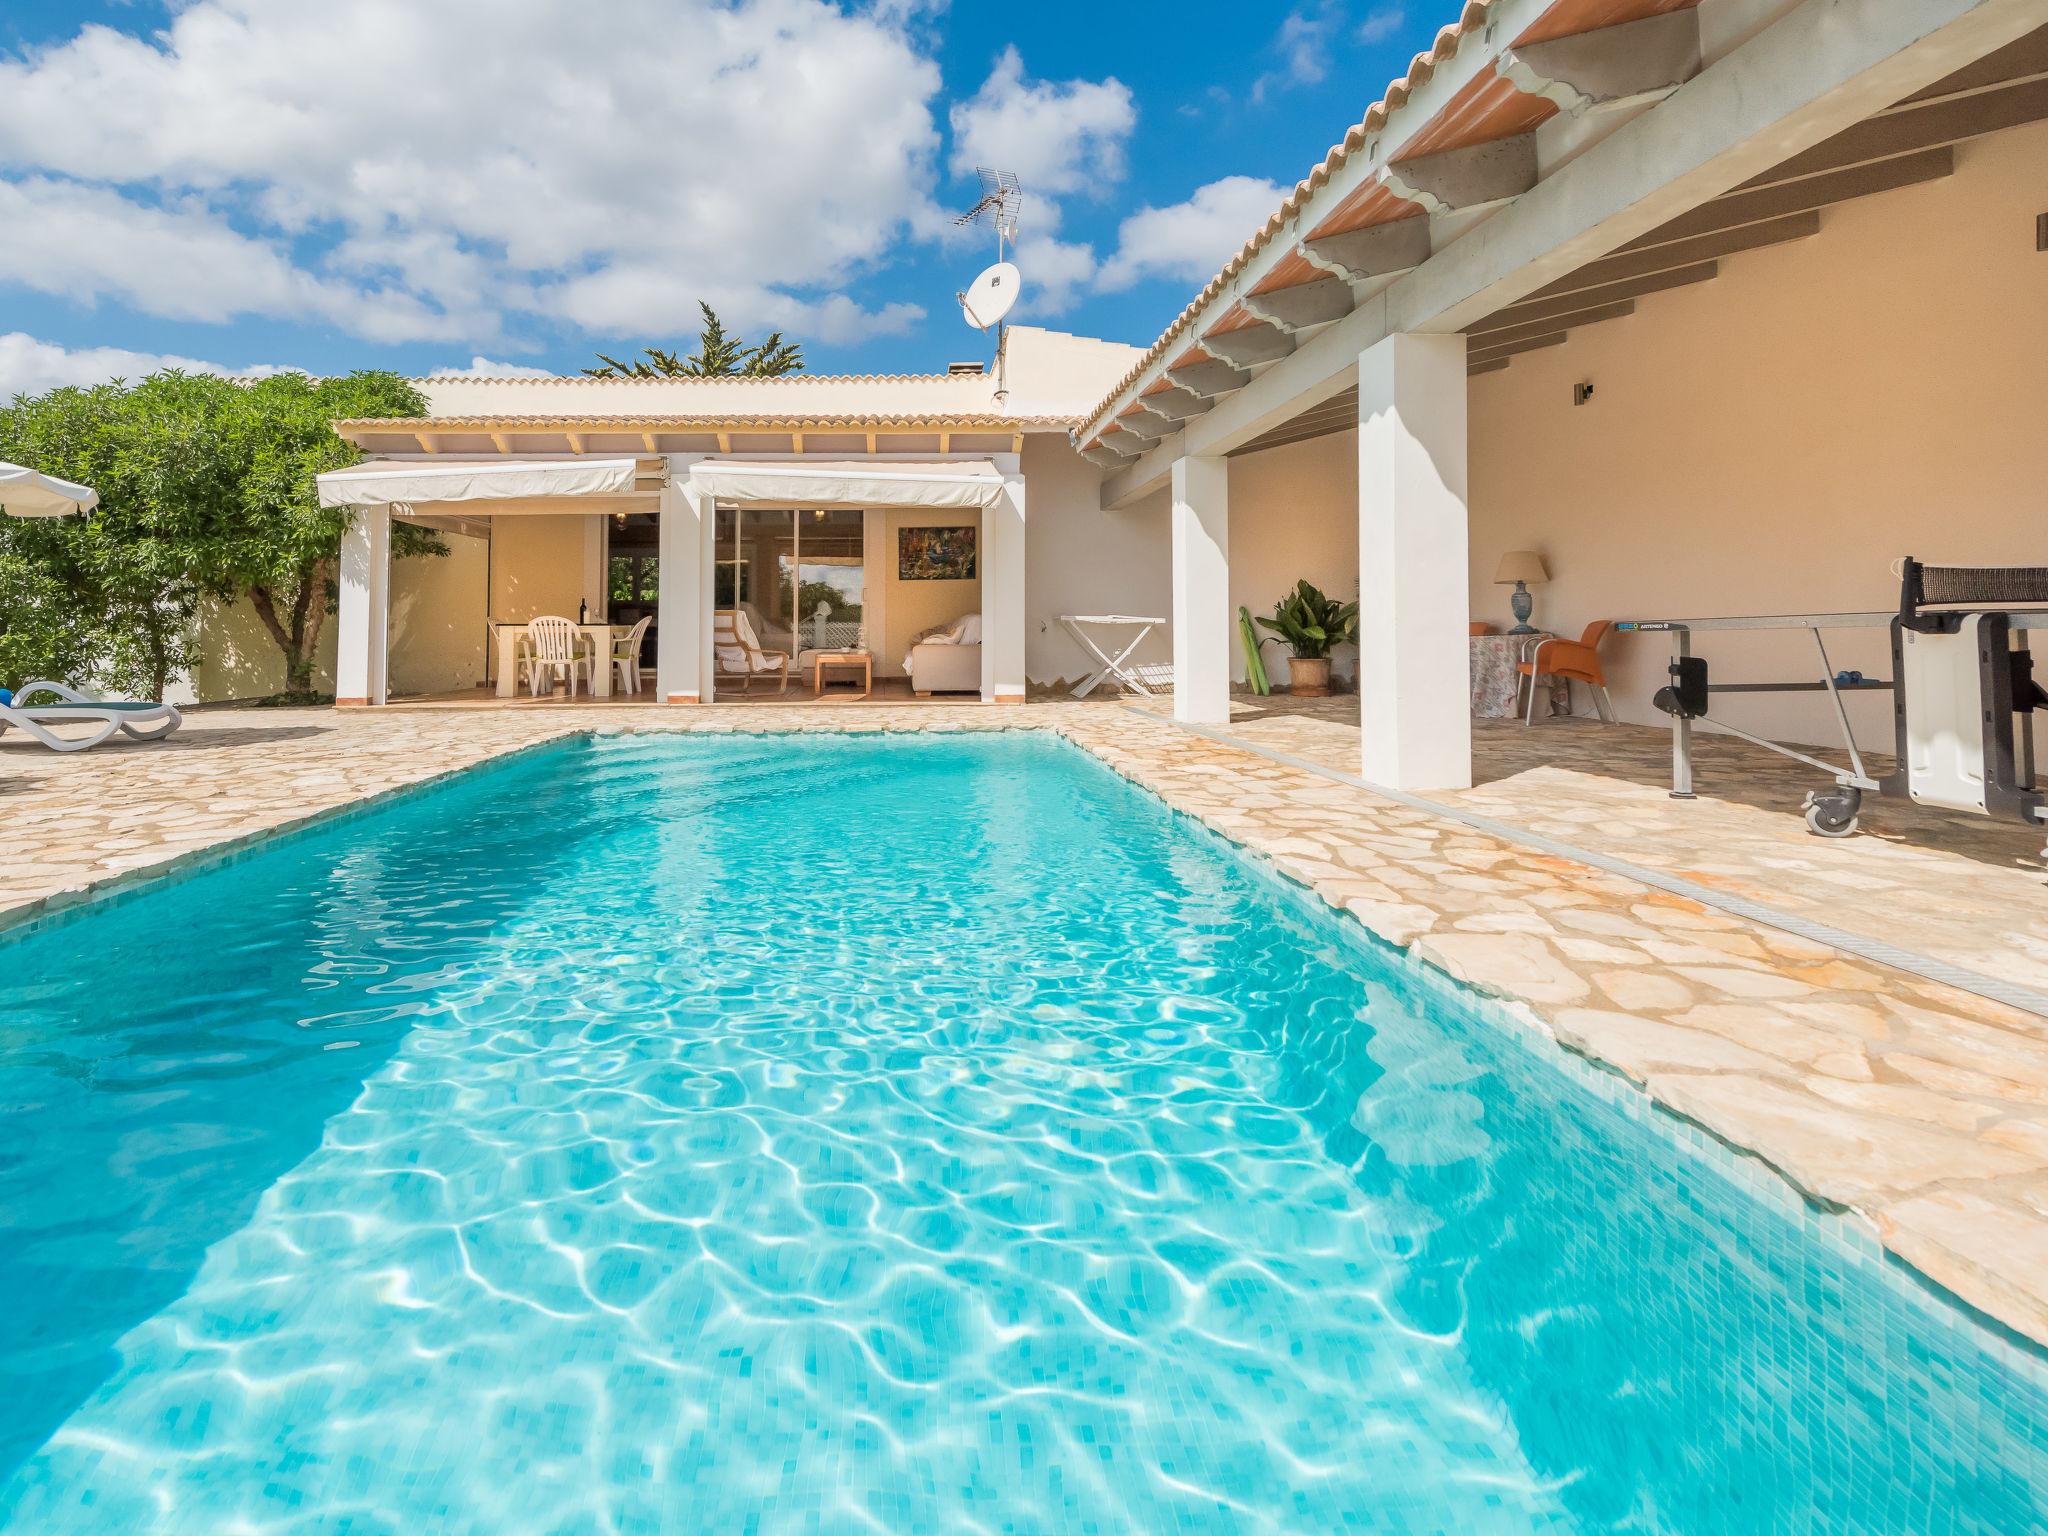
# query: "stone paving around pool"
[[1922, 1107]]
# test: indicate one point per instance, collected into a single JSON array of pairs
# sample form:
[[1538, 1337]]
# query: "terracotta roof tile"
[[718, 420]]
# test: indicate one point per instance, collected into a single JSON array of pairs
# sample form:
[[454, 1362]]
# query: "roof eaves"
[[688, 380], [729, 420], [1471, 19]]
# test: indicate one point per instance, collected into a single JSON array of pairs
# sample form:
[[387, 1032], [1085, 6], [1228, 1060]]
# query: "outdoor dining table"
[[598, 637], [1496, 685]]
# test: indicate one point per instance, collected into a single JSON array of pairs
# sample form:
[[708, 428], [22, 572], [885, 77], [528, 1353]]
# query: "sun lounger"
[[143, 721]]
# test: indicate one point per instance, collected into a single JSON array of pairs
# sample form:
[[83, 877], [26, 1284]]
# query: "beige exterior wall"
[[909, 608], [537, 566], [1772, 440], [437, 632], [1293, 516], [437, 618], [1081, 559]]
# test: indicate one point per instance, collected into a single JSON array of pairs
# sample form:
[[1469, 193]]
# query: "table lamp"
[[1521, 566]]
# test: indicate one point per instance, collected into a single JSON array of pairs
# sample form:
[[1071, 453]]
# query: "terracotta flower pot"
[[1308, 677]]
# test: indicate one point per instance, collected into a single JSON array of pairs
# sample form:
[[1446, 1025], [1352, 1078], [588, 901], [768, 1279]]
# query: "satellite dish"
[[992, 295]]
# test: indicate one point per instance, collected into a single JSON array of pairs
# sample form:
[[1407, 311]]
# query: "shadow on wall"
[[437, 632]]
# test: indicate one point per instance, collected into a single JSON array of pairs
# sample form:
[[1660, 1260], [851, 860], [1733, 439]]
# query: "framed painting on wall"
[[936, 554]]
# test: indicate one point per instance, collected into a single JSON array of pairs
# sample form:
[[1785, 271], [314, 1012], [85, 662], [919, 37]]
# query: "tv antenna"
[[1001, 197], [991, 296]]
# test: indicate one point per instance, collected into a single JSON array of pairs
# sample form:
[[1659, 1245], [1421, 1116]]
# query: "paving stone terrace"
[[1922, 1107], [1963, 889]]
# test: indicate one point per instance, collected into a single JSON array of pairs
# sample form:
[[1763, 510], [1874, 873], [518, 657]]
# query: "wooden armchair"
[[1575, 661], [737, 653]]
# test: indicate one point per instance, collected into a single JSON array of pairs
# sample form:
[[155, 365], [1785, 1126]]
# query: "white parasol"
[[24, 493]]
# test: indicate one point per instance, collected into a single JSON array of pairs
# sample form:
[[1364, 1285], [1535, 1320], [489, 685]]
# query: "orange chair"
[[1477, 628], [1576, 661]]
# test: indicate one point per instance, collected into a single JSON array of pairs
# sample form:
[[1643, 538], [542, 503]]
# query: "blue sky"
[[372, 183]]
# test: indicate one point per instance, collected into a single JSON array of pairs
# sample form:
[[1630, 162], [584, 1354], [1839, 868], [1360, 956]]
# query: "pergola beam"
[[1917, 126], [1501, 335], [1459, 180], [1208, 377], [1108, 458], [1684, 253], [1262, 343], [1305, 306], [1379, 250], [1175, 404], [1144, 424], [1632, 64], [1516, 348], [1604, 293], [1734, 209]]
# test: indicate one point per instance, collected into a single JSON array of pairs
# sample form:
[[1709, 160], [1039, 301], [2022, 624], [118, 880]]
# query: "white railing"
[[832, 635]]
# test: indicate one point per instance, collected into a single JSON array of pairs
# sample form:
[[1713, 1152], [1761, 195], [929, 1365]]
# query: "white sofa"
[[946, 659], [943, 668]]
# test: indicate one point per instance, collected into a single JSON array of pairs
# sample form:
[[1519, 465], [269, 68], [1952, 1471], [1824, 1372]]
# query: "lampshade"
[[1521, 565]]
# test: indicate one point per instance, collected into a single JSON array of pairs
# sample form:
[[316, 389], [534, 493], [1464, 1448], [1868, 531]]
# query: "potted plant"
[[1312, 625]]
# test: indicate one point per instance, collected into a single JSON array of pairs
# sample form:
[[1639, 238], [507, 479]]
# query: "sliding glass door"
[[798, 577]]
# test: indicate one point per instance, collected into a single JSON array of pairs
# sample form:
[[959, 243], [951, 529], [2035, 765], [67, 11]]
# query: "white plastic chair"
[[626, 656], [557, 652]]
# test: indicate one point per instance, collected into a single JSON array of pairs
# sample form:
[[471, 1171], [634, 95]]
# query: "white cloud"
[[485, 368], [1056, 273], [1190, 241], [179, 261], [1381, 23], [32, 367], [1062, 138], [1059, 137], [636, 298], [407, 171], [1303, 44]]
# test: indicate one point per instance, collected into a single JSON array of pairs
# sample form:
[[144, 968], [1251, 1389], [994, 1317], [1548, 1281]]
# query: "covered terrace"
[[1720, 308], [789, 527]]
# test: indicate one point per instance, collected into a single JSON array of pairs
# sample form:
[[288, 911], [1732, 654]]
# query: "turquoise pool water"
[[871, 1134]]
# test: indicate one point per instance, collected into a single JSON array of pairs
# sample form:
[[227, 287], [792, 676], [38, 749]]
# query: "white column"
[[1201, 590], [678, 620], [362, 630], [707, 595], [1414, 682], [874, 586], [1002, 588]]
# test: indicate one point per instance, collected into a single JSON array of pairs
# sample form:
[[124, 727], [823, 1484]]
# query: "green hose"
[[1254, 663]]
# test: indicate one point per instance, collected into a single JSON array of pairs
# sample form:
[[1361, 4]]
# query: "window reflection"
[[799, 576]]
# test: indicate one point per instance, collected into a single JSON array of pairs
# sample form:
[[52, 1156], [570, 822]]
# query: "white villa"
[[1717, 307]]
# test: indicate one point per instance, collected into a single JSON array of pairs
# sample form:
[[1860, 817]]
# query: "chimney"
[[965, 370]]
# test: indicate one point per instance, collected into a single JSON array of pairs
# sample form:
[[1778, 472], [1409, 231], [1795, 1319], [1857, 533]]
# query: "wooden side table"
[[847, 661]]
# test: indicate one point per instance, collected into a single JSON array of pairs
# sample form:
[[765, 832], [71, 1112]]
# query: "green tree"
[[206, 489], [811, 593], [283, 548], [112, 595], [718, 356]]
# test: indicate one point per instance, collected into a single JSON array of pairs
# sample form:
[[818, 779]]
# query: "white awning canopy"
[[383, 482], [858, 483], [24, 493]]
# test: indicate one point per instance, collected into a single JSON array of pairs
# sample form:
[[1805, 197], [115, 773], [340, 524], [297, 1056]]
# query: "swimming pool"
[[912, 1134]]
